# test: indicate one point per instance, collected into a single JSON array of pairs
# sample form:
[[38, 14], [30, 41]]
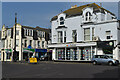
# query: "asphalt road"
[[58, 70]]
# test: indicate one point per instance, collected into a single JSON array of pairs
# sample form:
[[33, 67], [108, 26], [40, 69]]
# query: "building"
[[0, 45], [29, 41], [81, 32]]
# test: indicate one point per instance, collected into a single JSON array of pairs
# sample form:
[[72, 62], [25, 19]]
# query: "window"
[[88, 16], [9, 33], [43, 34], [92, 33], [87, 34], [30, 32], [64, 36], [42, 44], [74, 36], [17, 42], [25, 43], [30, 43], [6, 43], [26, 32], [38, 43], [60, 39], [10, 43], [3, 33], [8, 55], [61, 20], [17, 32], [108, 33], [3, 43]]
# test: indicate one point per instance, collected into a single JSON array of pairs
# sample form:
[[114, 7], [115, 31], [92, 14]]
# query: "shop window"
[[60, 37], [64, 36], [86, 34], [8, 55], [25, 43], [60, 54], [17, 42], [108, 33], [74, 35]]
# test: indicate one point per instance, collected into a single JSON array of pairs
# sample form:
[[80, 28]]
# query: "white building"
[[81, 32], [29, 41]]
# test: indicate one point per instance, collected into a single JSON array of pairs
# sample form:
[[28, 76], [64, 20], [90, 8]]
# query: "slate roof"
[[78, 10]]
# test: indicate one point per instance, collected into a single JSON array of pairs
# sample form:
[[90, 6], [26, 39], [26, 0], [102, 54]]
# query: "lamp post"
[[14, 53]]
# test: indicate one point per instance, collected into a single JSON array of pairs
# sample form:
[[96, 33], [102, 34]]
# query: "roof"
[[78, 10], [38, 28]]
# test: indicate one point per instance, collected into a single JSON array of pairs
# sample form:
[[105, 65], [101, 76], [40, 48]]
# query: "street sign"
[[32, 60]]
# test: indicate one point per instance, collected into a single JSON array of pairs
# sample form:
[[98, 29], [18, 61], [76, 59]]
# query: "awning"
[[8, 50], [40, 50], [28, 50]]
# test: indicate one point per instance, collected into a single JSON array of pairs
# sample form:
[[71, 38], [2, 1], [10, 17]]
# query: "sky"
[[40, 13]]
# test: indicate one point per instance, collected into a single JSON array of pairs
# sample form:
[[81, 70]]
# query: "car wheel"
[[94, 62], [110, 63]]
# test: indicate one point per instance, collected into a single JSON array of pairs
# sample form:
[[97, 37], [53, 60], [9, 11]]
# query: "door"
[[3, 56]]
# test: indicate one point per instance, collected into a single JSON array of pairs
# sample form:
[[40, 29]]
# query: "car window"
[[102, 56]]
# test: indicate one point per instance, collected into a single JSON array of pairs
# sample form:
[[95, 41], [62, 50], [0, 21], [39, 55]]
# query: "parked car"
[[104, 59]]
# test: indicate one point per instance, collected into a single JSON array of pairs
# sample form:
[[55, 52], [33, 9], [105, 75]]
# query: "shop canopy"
[[8, 50], [28, 50]]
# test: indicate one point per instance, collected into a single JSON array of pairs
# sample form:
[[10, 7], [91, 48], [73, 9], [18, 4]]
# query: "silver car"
[[104, 59]]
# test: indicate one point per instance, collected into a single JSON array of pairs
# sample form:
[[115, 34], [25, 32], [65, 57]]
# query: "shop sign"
[[40, 50], [28, 50], [8, 50], [70, 45], [105, 44]]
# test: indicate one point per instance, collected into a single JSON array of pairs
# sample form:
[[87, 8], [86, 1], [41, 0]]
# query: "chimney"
[[74, 6]]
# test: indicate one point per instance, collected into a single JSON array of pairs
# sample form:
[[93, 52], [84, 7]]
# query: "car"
[[104, 59]]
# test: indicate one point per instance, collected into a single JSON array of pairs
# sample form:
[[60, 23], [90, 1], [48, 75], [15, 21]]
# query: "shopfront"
[[28, 53], [8, 54], [75, 53], [41, 52], [106, 46]]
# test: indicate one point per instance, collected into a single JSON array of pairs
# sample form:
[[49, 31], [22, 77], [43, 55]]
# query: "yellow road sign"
[[32, 60]]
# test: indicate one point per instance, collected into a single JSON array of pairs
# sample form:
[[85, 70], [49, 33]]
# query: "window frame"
[[86, 34]]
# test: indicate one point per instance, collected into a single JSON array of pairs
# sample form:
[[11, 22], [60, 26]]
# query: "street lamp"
[[14, 53]]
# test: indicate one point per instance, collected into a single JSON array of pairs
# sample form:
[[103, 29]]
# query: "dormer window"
[[61, 20], [88, 16]]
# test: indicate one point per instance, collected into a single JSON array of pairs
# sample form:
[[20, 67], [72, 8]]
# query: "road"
[[58, 70]]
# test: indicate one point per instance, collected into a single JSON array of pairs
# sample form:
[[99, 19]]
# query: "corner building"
[[29, 41], [81, 32]]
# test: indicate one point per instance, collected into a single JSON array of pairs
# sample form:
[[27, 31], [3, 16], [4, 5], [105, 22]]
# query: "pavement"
[[51, 69]]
